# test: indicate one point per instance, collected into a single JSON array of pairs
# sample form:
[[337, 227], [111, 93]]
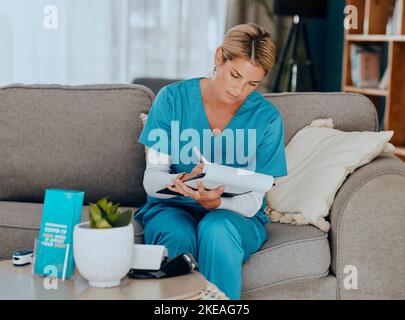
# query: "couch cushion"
[[291, 252], [72, 137], [20, 222], [349, 111]]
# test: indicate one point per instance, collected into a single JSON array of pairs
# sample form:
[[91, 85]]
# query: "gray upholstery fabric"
[[383, 164], [323, 288], [368, 224], [290, 252], [83, 118], [79, 137], [349, 111], [20, 222]]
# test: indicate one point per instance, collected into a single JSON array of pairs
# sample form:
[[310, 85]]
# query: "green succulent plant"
[[105, 214]]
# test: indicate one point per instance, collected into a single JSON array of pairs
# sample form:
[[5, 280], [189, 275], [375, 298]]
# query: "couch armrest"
[[368, 230]]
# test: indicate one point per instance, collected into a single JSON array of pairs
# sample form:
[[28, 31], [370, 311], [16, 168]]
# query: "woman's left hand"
[[209, 199]]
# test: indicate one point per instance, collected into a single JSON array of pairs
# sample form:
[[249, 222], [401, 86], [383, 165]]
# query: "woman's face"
[[236, 79]]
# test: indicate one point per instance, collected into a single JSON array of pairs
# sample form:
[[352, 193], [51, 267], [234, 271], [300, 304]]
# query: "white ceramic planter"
[[103, 256]]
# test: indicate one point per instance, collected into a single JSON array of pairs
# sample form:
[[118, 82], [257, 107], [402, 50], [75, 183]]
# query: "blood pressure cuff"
[[182, 264]]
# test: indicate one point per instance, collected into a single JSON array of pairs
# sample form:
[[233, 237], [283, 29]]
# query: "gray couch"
[[85, 138]]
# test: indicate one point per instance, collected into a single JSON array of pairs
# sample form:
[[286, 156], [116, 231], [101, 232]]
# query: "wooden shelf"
[[373, 16], [367, 91], [374, 38]]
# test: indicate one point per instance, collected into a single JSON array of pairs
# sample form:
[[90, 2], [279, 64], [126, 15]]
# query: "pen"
[[200, 156]]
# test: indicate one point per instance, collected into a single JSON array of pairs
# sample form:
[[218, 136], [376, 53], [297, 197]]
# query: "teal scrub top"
[[253, 139]]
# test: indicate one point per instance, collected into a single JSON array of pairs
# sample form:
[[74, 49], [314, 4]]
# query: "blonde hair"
[[252, 42]]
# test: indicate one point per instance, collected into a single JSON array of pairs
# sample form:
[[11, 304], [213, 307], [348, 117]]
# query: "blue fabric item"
[[220, 240], [179, 107]]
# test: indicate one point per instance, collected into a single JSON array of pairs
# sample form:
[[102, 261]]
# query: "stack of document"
[[235, 180]]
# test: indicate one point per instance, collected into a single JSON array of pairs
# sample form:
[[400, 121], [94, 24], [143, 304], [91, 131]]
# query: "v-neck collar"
[[201, 108]]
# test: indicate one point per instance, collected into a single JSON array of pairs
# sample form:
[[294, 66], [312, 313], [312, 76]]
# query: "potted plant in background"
[[103, 246]]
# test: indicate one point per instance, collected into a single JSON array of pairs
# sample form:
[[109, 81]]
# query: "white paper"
[[233, 179]]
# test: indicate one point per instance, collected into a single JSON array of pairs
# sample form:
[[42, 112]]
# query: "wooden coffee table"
[[19, 283]]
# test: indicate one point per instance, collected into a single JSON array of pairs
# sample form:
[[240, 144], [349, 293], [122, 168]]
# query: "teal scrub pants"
[[220, 240]]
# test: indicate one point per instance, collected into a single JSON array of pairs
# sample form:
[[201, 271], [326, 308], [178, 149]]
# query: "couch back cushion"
[[72, 137], [349, 111], [85, 137]]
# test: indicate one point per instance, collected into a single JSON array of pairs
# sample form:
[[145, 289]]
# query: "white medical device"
[[23, 257]]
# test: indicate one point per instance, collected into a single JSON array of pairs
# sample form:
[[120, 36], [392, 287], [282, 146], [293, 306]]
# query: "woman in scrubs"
[[220, 115]]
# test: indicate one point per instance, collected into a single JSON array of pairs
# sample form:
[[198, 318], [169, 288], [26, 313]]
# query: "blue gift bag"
[[62, 210]]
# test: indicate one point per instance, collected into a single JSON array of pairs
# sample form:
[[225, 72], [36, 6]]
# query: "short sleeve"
[[156, 132], [270, 153]]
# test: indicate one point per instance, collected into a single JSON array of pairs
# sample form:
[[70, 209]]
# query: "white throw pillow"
[[319, 158]]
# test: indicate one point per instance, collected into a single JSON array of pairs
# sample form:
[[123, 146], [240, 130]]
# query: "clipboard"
[[201, 175]]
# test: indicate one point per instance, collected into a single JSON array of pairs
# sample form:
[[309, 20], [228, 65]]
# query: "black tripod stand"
[[297, 27]]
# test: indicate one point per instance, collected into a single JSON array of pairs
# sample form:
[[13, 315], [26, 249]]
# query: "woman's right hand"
[[209, 199]]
